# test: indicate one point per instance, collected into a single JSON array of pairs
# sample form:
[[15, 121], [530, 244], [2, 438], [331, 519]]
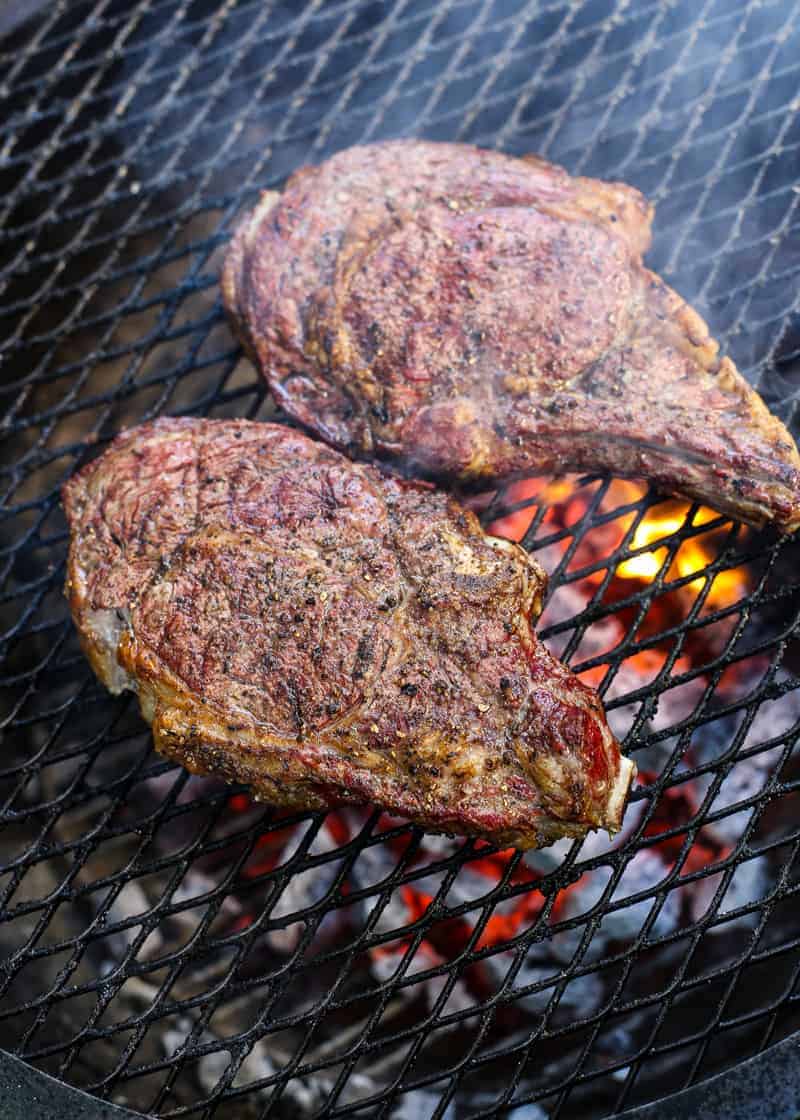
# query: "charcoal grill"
[[167, 945]]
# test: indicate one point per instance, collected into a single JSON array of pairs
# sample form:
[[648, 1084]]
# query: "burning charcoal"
[[746, 779], [564, 945], [748, 775], [540, 965], [458, 999], [131, 902], [437, 846], [530, 1111], [375, 864], [643, 872], [210, 1067], [404, 906], [545, 860], [774, 717], [616, 1043], [748, 884], [394, 915], [305, 1097], [420, 1104], [194, 885], [469, 886], [581, 896], [673, 705], [301, 890], [583, 993], [386, 960]]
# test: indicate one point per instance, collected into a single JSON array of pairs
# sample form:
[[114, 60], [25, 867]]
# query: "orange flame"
[[514, 525], [693, 555], [566, 505]]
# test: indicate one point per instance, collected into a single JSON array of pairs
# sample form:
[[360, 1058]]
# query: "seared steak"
[[479, 316], [301, 623]]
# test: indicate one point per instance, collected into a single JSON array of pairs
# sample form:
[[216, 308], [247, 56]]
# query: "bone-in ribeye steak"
[[304, 624], [478, 316]]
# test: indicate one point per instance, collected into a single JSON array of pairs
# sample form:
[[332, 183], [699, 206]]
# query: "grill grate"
[[164, 942]]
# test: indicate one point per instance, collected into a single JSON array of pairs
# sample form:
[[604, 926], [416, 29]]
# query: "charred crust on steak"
[[476, 316], [442, 706]]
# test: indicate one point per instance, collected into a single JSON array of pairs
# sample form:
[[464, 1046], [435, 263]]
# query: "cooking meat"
[[298, 622], [478, 316]]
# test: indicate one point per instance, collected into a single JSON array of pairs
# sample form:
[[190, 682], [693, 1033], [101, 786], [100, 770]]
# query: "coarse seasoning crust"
[[476, 316], [301, 623]]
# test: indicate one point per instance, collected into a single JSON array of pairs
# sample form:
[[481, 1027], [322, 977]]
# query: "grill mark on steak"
[[477, 316], [330, 635]]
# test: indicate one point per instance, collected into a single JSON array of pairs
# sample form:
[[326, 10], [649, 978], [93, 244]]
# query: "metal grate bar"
[[146, 917]]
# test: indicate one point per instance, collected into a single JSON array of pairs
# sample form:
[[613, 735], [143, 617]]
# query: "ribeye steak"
[[302, 623], [478, 316]]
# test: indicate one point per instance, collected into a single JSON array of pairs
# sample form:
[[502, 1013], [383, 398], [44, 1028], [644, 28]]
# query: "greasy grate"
[[146, 945]]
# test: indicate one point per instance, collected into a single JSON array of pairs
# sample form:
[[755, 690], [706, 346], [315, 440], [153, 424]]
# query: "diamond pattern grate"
[[167, 944]]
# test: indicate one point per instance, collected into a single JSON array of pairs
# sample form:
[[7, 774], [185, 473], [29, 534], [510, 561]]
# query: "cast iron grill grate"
[[164, 941]]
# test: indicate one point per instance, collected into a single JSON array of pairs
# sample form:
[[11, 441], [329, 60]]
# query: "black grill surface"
[[165, 943]]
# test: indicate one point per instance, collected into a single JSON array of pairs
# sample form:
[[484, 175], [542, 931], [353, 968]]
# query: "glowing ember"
[[515, 525], [692, 556], [566, 503]]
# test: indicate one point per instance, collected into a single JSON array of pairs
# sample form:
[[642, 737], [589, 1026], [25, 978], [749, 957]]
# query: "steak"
[[328, 635], [477, 316]]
